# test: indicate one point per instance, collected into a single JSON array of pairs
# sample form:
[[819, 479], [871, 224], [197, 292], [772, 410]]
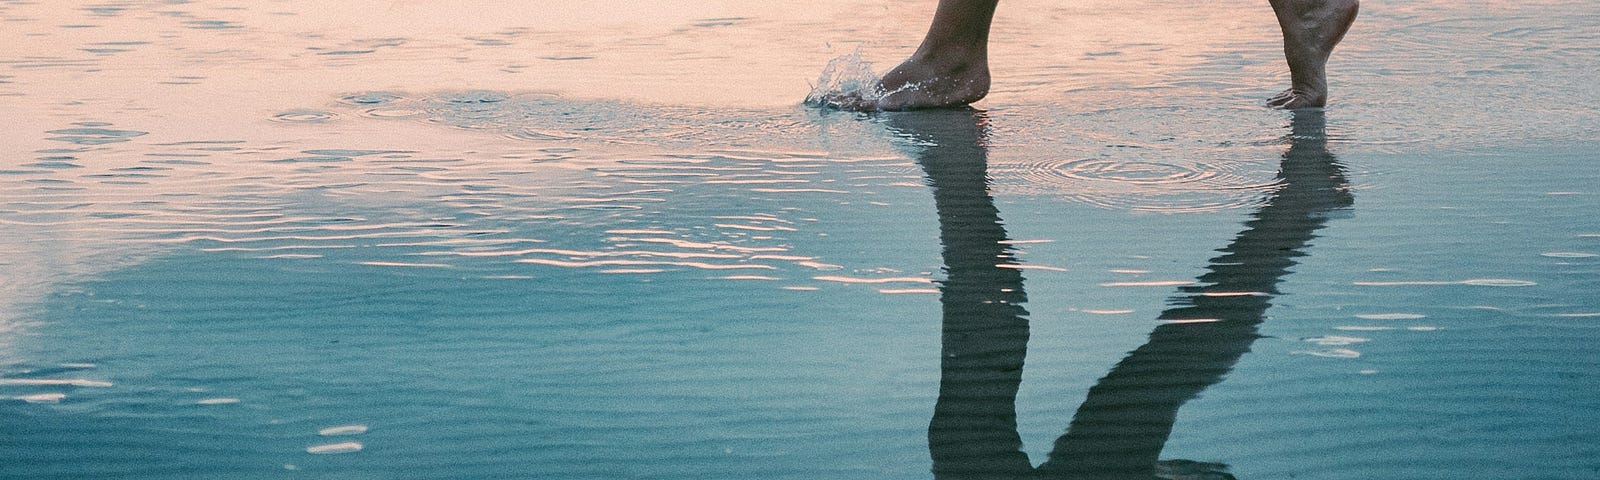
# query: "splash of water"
[[845, 81]]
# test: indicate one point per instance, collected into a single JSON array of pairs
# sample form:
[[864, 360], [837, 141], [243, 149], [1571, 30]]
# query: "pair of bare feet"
[[951, 66]]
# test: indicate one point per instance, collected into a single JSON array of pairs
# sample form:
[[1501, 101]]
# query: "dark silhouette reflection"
[[985, 339], [1119, 430]]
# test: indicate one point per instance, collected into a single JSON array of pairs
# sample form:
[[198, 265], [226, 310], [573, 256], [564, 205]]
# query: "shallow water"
[[390, 239]]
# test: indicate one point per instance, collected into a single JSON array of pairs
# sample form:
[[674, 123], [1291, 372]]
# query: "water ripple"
[[1168, 185], [304, 116]]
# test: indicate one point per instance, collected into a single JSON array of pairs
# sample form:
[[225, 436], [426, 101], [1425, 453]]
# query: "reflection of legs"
[[1311, 28], [1119, 431], [1121, 427], [973, 433], [951, 67]]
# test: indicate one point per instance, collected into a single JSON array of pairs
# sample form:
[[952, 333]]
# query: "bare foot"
[[1292, 99], [950, 68], [1311, 28], [921, 83], [918, 83]]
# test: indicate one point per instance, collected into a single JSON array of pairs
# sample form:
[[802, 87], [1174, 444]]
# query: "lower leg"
[[1311, 28]]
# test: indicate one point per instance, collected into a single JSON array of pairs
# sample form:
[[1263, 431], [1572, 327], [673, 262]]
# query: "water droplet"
[[845, 77]]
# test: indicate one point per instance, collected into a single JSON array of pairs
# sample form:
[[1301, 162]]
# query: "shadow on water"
[[1119, 430]]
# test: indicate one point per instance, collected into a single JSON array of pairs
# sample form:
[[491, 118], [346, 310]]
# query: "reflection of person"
[[1128, 415], [1120, 429], [985, 329], [951, 66]]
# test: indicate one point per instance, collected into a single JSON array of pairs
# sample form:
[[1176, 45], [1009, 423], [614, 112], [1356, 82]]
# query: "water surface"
[[478, 239]]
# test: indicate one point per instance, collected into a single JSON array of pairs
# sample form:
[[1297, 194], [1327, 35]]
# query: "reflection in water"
[[1119, 430], [985, 339]]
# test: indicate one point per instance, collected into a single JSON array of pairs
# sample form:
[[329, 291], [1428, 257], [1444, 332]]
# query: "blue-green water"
[[1096, 272]]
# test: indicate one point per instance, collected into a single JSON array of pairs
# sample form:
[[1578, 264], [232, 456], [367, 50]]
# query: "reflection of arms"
[[1126, 419]]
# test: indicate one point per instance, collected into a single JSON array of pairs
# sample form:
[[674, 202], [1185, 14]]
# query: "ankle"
[[951, 58]]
